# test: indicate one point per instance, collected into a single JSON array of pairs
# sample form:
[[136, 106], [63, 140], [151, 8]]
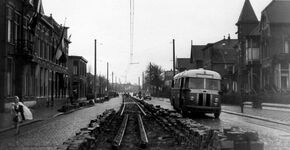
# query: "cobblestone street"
[[50, 133]]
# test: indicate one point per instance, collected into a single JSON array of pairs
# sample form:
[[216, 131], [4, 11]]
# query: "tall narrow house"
[[248, 37]]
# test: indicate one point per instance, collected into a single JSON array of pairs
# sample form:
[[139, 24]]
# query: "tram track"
[[134, 127], [132, 117]]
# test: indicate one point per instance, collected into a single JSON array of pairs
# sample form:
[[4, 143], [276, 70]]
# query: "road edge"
[[257, 117]]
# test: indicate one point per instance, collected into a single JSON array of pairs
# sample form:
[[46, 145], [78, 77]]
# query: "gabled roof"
[[278, 11], [196, 52], [226, 44], [248, 14], [222, 44]]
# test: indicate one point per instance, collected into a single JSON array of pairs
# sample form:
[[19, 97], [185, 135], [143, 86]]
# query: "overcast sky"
[[157, 22]]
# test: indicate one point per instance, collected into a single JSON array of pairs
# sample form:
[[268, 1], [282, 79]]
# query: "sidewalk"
[[39, 114], [276, 116]]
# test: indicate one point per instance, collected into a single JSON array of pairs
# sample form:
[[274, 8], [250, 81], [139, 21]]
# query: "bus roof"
[[199, 73]]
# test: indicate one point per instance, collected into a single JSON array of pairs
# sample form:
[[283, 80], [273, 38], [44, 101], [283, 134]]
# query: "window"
[[195, 83], [75, 67], [9, 31], [286, 47], [10, 77], [10, 36], [212, 84]]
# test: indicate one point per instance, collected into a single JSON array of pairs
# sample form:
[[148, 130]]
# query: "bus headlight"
[[192, 98], [216, 100]]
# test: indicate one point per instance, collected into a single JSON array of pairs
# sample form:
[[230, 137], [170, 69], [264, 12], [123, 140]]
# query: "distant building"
[[78, 77], [167, 77], [183, 64], [222, 58], [34, 50]]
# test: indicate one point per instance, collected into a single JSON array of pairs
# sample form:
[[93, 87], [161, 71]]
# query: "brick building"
[[249, 39], [183, 64], [222, 58], [78, 77], [196, 56], [33, 53], [265, 59]]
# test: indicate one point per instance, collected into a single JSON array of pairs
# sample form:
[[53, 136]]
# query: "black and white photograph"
[[144, 75]]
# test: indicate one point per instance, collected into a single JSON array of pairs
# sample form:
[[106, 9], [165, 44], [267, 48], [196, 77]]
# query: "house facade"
[[275, 39], [78, 77], [196, 56], [264, 46], [249, 47], [29, 42], [222, 58]]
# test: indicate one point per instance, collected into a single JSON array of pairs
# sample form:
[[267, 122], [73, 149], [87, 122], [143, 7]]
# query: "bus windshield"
[[198, 83], [212, 84], [195, 83]]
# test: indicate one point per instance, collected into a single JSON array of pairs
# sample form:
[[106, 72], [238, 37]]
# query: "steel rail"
[[119, 137], [141, 109], [124, 105], [143, 134]]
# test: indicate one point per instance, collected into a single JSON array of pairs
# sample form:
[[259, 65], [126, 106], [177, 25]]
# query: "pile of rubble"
[[87, 103], [198, 136], [86, 137]]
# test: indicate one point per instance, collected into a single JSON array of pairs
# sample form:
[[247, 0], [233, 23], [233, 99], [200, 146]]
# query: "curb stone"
[[39, 120], [21, 125], [257, 117]]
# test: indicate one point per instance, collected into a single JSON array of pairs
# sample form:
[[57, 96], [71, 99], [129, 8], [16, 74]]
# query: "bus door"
[[180, 92]]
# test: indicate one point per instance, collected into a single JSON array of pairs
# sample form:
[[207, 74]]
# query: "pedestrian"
[[17, 112], [20, 113]]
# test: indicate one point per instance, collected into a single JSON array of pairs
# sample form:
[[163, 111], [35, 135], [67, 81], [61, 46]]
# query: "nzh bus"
[[197, 91]]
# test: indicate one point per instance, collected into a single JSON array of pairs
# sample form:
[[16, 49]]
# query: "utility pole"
[[150, 77], [173, 43], [108, 78], [139, 83], [142, 80], [112, 81], [95, 69]]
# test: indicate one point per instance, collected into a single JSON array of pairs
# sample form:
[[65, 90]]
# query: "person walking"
[[20, 113], [17, 112]]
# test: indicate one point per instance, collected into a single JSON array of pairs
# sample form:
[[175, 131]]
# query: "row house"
[[249, 40], [196, 56], [78, 77], [221, 57], [33, 65], [264, 45]]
